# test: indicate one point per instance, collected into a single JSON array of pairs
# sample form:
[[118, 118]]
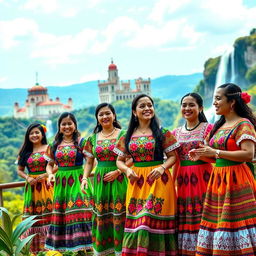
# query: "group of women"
[[189, 191]]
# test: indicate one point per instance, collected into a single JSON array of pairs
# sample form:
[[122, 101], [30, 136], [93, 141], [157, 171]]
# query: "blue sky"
[[69, 42]]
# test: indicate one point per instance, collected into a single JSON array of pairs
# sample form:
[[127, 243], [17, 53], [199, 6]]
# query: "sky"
[[69, 42]]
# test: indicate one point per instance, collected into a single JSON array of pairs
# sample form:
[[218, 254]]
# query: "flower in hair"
[[44, 127], [245, 97]]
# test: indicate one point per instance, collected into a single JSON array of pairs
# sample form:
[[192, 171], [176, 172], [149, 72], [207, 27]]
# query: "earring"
[[135, 118]]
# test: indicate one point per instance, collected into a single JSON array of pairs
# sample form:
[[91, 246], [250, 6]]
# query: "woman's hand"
[[50, 179], [110, 176], [203, 150], [41, 177], [31, 180], [131, 175], [84, 184], [156, 173]]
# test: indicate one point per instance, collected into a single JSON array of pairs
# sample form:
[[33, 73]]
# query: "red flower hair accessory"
[[44, 127], [245, 97]]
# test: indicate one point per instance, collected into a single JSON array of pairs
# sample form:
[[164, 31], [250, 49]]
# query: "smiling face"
[[190, 109], [221, 103], [67, 126], [144, 109], [105, 117], [35, 136]]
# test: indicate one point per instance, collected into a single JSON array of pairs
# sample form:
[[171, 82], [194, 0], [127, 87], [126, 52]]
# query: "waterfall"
[[49, 129], [223, 76]]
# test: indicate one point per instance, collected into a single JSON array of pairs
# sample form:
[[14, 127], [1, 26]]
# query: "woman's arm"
[[157, 172], [22, 174], [245, 154], [87, 171], [131, 175]]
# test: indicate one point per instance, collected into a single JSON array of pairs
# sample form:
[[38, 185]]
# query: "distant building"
[[112, 89], [38, 104]]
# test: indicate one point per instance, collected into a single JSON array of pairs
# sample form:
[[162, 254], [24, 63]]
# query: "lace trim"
[[172, 147], [118, 152], [245, 137], [47, 158], [200, 135], [88, 154]]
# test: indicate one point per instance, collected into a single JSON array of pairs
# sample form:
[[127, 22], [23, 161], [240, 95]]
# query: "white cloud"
[[3, 79], [163, 7], [47, 6], [12, 31], [175, 32], [59, 49]]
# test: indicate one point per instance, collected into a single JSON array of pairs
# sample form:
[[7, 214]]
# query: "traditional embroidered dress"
[[228, 225], [37, 200], [150, 205], [108, 198], [192, 180], [71, 224]]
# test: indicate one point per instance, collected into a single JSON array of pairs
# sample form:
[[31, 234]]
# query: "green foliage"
[[10, 242], [13, 202], [251, 75], [210, 70]]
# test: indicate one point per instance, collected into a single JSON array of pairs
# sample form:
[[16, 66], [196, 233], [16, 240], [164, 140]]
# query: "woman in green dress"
[[70, 228], [109, 190]]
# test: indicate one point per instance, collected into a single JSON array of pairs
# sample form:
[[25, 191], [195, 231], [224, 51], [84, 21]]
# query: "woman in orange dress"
[[228, 225], [192, 176], [150, 226]]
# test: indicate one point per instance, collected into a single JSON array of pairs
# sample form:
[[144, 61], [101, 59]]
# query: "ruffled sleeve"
[[120, 147], [88, 147], [48, 155], [245, 131], [208, 130], [169, 142]]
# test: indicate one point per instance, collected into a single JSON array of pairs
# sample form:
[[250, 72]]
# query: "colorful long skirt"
[[192, 181], [71, 224], [38, 201], [150, 226], [228, 225], [109, 211]]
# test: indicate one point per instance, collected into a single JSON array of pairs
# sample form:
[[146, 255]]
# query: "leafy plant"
[[10, 242]]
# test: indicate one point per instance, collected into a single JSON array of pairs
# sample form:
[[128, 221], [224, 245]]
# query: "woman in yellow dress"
[[150, 226]]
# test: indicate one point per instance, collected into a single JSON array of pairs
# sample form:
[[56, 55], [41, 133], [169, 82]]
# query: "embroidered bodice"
[[102, 150], [142, 147], [190, 139], [229, 138], [66, 155], [35, 162]]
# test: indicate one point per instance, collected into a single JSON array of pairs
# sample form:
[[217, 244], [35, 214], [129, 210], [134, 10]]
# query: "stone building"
[[113, 89], [39, 105]]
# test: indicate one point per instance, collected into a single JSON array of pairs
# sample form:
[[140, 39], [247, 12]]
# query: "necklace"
[[191, 129], [67, 141], [107, 135], [143, 132]]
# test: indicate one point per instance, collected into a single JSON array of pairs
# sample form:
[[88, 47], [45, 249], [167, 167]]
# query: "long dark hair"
[[59, 136], [199, 101], [154, 125], [98, 126], [233, 92], [27, 146]]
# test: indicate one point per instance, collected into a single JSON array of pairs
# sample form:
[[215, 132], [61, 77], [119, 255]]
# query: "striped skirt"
[[228, 225], [150, 226], [192, 181], [71, 222], [38, 201]]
